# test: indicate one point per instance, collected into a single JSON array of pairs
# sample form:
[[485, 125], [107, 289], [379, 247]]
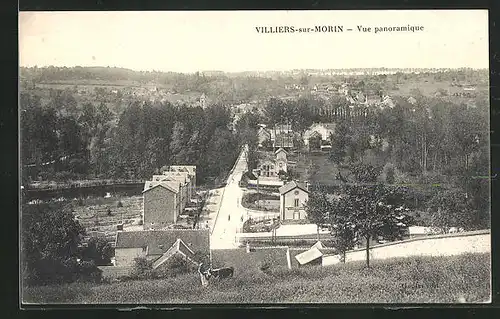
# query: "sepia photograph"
[[254, 157]]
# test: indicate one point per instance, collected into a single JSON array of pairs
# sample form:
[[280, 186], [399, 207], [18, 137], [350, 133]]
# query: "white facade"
[[292, 204]]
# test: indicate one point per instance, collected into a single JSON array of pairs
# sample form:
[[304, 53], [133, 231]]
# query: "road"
[[229, 218]]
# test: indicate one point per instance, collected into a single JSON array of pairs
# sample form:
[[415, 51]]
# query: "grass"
[[464, 278]]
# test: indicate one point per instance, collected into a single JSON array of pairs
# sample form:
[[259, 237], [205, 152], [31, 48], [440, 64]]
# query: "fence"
[[437, 245]]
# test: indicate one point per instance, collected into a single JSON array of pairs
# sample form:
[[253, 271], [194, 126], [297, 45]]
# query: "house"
[[160, 245], [263, 135], [179, 249], [190, 169], [293, 197], [185, 185], [161, 203], [281, 160], [268, 168], [319, 130], [283, 140]]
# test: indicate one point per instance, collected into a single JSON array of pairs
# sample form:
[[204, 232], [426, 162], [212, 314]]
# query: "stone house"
[[160, 245], [190, 169], [270, 166], [293, 197], [161, 203]]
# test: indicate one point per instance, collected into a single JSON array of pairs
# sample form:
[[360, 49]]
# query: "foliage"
[[50, 239], [97, 250], [452, 209], [368, 212], [318, 209], [365, 173]]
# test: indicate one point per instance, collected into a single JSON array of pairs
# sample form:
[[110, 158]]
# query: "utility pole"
[[258, 192]]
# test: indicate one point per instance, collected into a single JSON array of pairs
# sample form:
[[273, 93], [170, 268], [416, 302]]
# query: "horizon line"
[[254, 70]]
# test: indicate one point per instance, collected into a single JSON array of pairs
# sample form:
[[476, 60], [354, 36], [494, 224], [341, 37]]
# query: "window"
[[296, 203]]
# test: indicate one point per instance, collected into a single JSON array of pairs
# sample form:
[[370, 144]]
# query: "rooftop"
[[309, 256], [159, 241], [172, 186], [292, 185]]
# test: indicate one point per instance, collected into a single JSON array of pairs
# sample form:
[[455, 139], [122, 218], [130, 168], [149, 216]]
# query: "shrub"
[[264, 266], [120, 204], [175, 266], [142, 268]]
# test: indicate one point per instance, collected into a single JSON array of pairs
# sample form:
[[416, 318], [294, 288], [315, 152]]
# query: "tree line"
[[62, 140]]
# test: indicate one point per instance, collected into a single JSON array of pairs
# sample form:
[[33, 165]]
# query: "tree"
[[50, 239], [365, 173], [370, 211], [339, 143], [317, 208], [452, 209], [97, 250]]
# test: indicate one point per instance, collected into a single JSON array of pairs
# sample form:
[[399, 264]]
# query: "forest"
[[61, 140]]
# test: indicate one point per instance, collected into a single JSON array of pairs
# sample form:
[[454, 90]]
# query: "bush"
[[175, 266], [142, 268], [264, 266], [120, 204]]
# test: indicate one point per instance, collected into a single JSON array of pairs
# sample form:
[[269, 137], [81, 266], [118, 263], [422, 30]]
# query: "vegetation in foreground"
[[464, 278]]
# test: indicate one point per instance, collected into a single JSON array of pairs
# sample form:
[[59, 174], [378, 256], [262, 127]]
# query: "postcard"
[[254, 157]]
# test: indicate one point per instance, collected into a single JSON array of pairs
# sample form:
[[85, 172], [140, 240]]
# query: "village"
[[261, 209], [259, 213], [187, 157]]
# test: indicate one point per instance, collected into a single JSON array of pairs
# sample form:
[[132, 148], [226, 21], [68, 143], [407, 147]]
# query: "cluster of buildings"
[[293, 195], [318, 136], [166, 196], [279, 136], [158, 246]]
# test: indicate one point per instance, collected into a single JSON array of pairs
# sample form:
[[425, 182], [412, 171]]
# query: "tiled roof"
[[308, 256], [159, 241], [280, 150], [292, 185], [191, 169], [181, 177], [179, 247], [172, 186]]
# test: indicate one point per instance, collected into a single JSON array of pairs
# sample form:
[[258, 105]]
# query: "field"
[[464, 278], [130, 213]]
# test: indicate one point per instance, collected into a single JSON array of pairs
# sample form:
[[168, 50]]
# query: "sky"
[[228, 41]]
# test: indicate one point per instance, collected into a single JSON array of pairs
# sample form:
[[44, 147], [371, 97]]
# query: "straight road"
[[229, 218]]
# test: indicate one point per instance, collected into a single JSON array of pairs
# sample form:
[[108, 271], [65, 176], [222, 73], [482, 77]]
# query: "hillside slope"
[[464, 278]]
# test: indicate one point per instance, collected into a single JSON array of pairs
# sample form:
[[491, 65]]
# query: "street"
[[229, 218]]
